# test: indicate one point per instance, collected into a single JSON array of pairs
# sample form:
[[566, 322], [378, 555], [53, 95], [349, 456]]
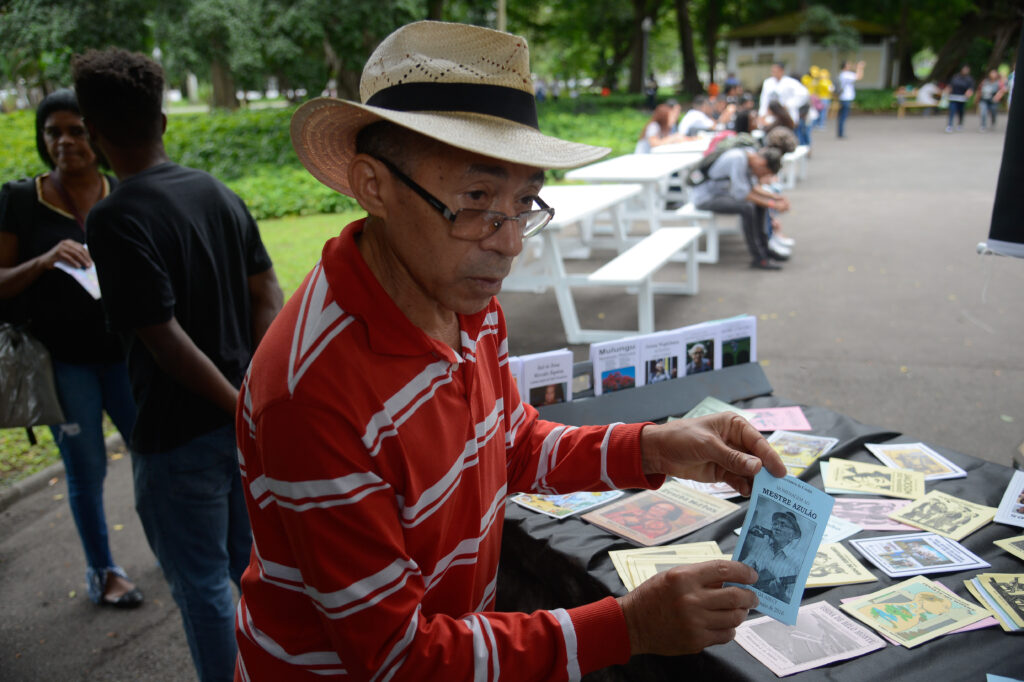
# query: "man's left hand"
[[717, 447]]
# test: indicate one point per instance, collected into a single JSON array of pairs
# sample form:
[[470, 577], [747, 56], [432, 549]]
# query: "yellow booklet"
[[836, 565], [846, 476], [946, 515]]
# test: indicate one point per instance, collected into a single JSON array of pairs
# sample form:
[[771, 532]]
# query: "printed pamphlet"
[[800, 450], [547, 377], [946, 515], [821, 635], [1011, 507], [616, 365], [845, 475], [899, 556], [916, 457], [561, 506], [781, 533], [914, 611], [652, 517]]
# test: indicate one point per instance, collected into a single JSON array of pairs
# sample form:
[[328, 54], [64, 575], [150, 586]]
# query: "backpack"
[[698, 175]]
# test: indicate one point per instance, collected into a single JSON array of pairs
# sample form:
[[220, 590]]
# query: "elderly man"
[[380, 430], [771, 553]]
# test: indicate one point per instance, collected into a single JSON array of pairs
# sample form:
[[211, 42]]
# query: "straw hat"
[[466, 86]]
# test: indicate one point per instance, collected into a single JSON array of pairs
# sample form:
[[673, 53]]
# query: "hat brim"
[[324, 130]]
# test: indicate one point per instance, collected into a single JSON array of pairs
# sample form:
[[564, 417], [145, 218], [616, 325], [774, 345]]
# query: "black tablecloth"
[[550, 563]]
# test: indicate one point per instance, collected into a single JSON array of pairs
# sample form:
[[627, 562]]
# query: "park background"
[[237, 69]]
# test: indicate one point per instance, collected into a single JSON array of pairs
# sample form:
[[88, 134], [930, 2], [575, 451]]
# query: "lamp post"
[[645, 27]]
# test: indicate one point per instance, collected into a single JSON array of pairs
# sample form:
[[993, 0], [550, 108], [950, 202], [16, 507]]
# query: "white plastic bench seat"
[[794, 166], [635, 267], [690, 214]]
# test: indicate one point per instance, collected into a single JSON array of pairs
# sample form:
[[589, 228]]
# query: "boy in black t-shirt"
[[185, 276]]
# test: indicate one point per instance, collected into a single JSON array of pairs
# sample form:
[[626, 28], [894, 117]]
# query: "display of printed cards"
[[561, 506], [800, 450], [916, 554], [916, 457], [946, 515], [546, 377], [1011, 507], [821, 635], [914, 611]]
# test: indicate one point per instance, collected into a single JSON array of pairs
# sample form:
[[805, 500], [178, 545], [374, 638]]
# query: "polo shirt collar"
[[357, 291]]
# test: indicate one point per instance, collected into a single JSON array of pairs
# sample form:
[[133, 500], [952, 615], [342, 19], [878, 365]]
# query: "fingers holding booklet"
[[687, 608], [717, 447]]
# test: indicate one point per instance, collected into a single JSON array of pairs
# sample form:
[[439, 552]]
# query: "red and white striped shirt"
[[376, 464]]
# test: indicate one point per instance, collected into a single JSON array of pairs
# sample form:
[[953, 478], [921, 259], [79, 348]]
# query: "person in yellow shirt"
[[825, 91]]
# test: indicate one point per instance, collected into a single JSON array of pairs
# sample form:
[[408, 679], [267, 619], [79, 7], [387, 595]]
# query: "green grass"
[[295, 243]]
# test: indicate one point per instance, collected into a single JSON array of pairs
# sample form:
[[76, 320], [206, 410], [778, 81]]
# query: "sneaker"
[[765, 264], [949, 129], [774, 245], [775, 255], [787, 242]]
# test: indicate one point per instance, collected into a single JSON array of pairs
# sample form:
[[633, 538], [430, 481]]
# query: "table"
[[650, 170], [548, 563], [542, 263], [698, 145]]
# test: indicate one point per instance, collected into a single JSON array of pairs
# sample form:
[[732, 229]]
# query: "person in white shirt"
[[701, 117], [847, 93], [789, 92]]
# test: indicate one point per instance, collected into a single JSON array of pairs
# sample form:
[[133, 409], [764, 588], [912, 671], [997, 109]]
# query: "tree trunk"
[[636, 69], [902, 47], [712, 20], [223, 85], [1004, 33], [691, 82], [435, 8]]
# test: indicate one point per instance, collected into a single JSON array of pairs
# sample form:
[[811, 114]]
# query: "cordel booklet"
[[779, 539]]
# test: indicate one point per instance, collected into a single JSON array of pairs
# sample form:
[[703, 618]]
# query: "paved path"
[[885, 314]]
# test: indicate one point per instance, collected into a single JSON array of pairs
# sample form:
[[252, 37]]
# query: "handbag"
[[28, 393]]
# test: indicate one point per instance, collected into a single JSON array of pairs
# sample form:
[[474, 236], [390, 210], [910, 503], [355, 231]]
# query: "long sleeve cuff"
[[601, 635]]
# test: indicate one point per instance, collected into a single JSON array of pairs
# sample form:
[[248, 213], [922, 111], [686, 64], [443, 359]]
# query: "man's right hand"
[[685, 609]]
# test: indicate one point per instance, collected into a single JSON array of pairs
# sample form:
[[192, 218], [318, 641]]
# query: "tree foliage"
[[313, 45]]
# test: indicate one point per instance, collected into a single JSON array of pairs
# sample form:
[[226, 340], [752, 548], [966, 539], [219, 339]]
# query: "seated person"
[[702, 116], [929, 93], [660, 129], [734, 186]]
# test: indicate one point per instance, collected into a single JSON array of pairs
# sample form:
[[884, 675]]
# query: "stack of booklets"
[[1003, 594], [637, 565], [662, 356]]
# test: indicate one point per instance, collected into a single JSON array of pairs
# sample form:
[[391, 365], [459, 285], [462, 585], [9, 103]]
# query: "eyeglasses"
[[474, 224]]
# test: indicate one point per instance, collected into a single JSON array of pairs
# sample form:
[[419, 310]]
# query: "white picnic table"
[[650, 170], [698, 145], [542, 263]]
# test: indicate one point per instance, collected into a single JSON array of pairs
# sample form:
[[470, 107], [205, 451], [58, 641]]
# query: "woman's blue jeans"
[[193, 512], [85, 391]]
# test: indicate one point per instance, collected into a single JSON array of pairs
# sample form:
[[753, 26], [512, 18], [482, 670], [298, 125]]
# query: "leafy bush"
[[18, 156]]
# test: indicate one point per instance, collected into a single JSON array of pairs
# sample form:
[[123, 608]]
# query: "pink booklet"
[[778, 418]]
